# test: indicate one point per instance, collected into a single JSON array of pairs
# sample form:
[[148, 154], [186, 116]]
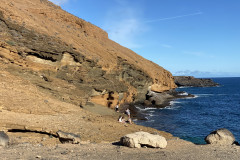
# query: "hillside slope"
[[29, 115], [54, 48]]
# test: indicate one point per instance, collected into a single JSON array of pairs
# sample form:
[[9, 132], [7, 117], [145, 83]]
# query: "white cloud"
[[59, 2], [123, 24], [124, 32]]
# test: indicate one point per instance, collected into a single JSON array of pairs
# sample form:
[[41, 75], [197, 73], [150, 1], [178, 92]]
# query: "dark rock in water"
[[147, 103], [190, 81], [153, 99], [4, 139], [158, 98], [221, 136], [161, 100], [65, 137]]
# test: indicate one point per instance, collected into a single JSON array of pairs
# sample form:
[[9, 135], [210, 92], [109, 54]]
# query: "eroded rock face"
[[4, 139], [138, 139], [55, 49], [220, 136]]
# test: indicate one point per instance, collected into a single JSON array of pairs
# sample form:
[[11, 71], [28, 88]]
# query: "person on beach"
[[121, 119], [127, 112], [129, 120]]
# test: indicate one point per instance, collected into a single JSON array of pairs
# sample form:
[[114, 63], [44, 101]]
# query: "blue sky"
[[187, 37]]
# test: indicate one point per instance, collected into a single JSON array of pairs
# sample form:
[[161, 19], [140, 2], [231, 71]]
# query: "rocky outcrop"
[[4, 139], [71, 59], [158, 99], [68, 137], [139, 139], [189, 81], [163, 99], [220, 136]]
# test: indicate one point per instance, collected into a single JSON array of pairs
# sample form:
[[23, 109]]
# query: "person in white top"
[[121, 119]]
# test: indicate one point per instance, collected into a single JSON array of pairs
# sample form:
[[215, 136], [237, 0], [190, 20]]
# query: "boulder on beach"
[[4, 139], [221, 136], [139, 139]]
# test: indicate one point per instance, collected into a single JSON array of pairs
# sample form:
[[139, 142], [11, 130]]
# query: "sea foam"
[[145, 109], [183, 94]]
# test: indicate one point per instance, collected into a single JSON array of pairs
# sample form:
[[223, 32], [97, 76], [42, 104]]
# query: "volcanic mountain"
[[41, 37], [51, 60]]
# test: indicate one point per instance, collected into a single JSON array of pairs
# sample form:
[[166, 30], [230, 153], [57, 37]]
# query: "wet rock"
[[139, 139], [147, 103], [4, 139], [158, 99], [65, 137], [221, 136]]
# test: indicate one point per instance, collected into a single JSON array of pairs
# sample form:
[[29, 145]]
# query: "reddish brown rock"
[[53, 64], [40, 36]]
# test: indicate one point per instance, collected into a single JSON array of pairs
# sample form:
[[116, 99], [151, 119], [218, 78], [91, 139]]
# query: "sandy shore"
[[176, 149]]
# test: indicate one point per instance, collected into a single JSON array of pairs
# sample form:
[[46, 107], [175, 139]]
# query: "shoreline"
[[166, 99]]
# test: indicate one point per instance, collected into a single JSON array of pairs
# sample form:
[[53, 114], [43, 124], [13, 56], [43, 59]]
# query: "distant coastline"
[[190, 81]]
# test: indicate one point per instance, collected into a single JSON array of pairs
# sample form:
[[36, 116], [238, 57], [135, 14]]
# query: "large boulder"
[[138, 139], [221, 136], [4, 139]]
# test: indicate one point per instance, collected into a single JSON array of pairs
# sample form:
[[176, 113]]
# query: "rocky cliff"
[[71, 59], [189, 81]]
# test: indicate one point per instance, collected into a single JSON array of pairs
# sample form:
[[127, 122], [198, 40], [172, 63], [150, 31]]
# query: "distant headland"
[[190, 81]]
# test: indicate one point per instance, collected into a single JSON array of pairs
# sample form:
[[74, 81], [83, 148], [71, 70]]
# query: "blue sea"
[[193, 119]]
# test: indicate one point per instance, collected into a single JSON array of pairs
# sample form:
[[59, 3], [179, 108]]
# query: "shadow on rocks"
[[117, 144]]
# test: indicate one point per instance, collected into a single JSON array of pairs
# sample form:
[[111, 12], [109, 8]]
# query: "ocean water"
[[193, 119]]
